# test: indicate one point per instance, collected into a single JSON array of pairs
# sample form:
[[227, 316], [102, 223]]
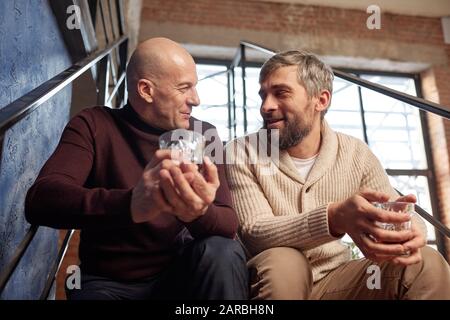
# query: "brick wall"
[[435, 87], [443, 87], [442, 74], [290, 18], [281, 26]]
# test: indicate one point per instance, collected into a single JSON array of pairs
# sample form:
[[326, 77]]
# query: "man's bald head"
[[162, 77], [153, 59]]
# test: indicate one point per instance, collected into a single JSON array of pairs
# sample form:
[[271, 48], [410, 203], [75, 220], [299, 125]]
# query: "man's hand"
[[188, 191], [418, 240], [412, 247], [147, 200], [357, 217]]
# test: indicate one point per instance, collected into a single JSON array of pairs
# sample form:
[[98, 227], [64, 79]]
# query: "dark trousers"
[[211, 268]]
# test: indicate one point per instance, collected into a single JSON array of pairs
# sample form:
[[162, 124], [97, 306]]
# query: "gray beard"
[[293, 134]]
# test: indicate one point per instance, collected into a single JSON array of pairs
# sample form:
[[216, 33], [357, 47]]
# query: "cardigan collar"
[[324, 161]]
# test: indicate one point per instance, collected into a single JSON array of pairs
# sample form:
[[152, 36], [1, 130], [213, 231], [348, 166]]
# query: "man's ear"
[[323, 100], [145, 89]]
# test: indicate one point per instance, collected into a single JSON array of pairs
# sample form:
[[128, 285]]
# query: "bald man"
[[151, 227]]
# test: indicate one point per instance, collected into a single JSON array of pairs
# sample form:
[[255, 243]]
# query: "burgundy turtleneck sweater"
[[87, 184]]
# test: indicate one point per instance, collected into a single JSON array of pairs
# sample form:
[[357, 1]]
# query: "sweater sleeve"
[[260, 228], [220, 218], [375, 178], [59, 197]]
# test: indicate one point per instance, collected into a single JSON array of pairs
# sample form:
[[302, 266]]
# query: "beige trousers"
[[285, 274]]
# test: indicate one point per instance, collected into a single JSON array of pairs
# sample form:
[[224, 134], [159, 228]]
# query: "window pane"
[[393, 127], [344, 112], [213, 98], [417, 185], [254, 119]]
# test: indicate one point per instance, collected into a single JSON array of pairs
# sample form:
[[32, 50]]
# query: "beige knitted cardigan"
[[278, 208]]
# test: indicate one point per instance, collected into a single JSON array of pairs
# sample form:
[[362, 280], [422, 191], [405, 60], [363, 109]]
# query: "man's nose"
[[268, 105], [194, 100]]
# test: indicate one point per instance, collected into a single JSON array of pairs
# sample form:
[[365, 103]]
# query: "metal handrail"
[[21, 107], [55, 268], [424, 214], [11, 266], [420, 103], [432, 220], [212, 75], [257, 47]]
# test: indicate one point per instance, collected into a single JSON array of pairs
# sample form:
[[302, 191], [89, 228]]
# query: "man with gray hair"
[[291, 221]]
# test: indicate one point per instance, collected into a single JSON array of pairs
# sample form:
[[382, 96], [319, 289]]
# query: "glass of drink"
[[399, 207], [189, 144]]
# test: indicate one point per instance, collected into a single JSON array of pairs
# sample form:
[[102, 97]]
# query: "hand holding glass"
[[399, 207], [189, 143]]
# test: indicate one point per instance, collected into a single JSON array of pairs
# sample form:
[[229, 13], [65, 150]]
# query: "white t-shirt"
[[304, 165]]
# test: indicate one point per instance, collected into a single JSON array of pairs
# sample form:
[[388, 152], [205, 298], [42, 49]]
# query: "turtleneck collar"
[[130, 115]]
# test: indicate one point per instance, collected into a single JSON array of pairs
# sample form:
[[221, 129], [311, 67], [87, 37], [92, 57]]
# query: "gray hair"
[[312, 73]]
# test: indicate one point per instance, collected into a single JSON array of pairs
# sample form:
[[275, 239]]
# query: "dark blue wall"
[[31, 52]]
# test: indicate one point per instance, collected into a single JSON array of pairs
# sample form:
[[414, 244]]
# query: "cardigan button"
[[307, 189]]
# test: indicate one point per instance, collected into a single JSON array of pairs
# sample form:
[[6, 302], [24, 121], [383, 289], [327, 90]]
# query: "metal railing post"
[[119, 9], [234, 101], [111, 20], [244, 89], [103, 81], [123, 56], [230, 136], [102, 15]]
